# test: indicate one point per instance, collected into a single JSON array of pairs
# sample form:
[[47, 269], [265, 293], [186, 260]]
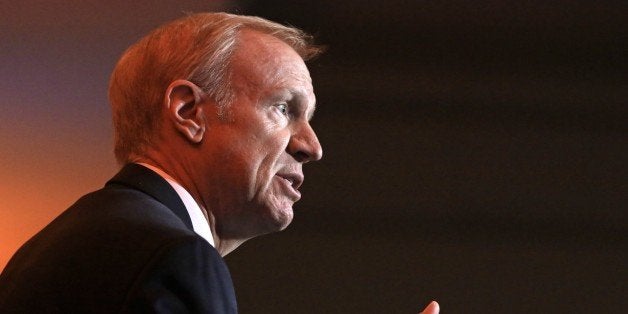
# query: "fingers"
[[432, 308]]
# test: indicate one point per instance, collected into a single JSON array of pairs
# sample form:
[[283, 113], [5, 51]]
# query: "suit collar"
[[147, 181]]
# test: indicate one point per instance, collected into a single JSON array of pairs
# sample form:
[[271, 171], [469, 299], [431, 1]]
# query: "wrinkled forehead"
[[262, 60]]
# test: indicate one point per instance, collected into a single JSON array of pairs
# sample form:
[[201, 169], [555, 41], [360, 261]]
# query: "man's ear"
[[183, 105]]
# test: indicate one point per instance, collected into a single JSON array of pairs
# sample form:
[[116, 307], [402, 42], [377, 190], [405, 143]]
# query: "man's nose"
[[304, 145]]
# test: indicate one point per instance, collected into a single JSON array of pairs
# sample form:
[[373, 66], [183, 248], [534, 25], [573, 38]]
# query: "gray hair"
[[196, 48]]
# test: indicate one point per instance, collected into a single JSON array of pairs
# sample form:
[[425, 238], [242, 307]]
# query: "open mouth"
[[294, 179], [291, 183]]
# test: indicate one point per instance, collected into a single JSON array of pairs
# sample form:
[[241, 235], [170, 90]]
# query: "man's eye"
[[283, 108]]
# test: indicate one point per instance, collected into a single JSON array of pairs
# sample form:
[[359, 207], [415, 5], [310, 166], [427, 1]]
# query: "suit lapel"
[[147, 181]]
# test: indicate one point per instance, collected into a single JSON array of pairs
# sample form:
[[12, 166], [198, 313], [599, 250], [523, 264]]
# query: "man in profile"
[[211, 115]]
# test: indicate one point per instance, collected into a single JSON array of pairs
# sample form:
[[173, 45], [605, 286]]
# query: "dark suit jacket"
[[128, 247]]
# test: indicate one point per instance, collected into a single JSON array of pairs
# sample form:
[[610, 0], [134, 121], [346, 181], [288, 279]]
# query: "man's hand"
[[431, 308]]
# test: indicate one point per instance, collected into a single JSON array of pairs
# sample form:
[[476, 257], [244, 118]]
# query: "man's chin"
[[281, 218]]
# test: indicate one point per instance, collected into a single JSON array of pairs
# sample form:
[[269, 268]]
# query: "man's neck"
[[195, 210], [223, 246]]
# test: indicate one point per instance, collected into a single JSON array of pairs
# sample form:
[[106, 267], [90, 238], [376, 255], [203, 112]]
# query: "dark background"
[[474, 151]]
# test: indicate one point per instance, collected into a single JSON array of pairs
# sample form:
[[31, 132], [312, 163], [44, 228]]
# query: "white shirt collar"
[[199, 222]]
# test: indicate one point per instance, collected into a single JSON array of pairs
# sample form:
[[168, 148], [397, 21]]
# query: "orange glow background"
[[55, 126]]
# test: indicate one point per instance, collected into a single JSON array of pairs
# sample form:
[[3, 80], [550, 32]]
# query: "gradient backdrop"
[[475, 151]]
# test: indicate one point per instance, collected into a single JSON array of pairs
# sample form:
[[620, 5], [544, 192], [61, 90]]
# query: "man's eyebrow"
[[311, 113]]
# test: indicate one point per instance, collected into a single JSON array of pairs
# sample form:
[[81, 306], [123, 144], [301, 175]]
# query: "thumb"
[[432, 308]]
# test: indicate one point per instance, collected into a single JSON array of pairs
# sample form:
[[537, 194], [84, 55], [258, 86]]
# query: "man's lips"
[[291, 181], [295, 179]]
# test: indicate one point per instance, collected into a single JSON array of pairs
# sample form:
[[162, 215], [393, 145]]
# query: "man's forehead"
[[264, 62], [259, 49]]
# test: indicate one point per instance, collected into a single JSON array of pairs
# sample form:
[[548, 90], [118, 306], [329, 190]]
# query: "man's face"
[[258, 150]]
